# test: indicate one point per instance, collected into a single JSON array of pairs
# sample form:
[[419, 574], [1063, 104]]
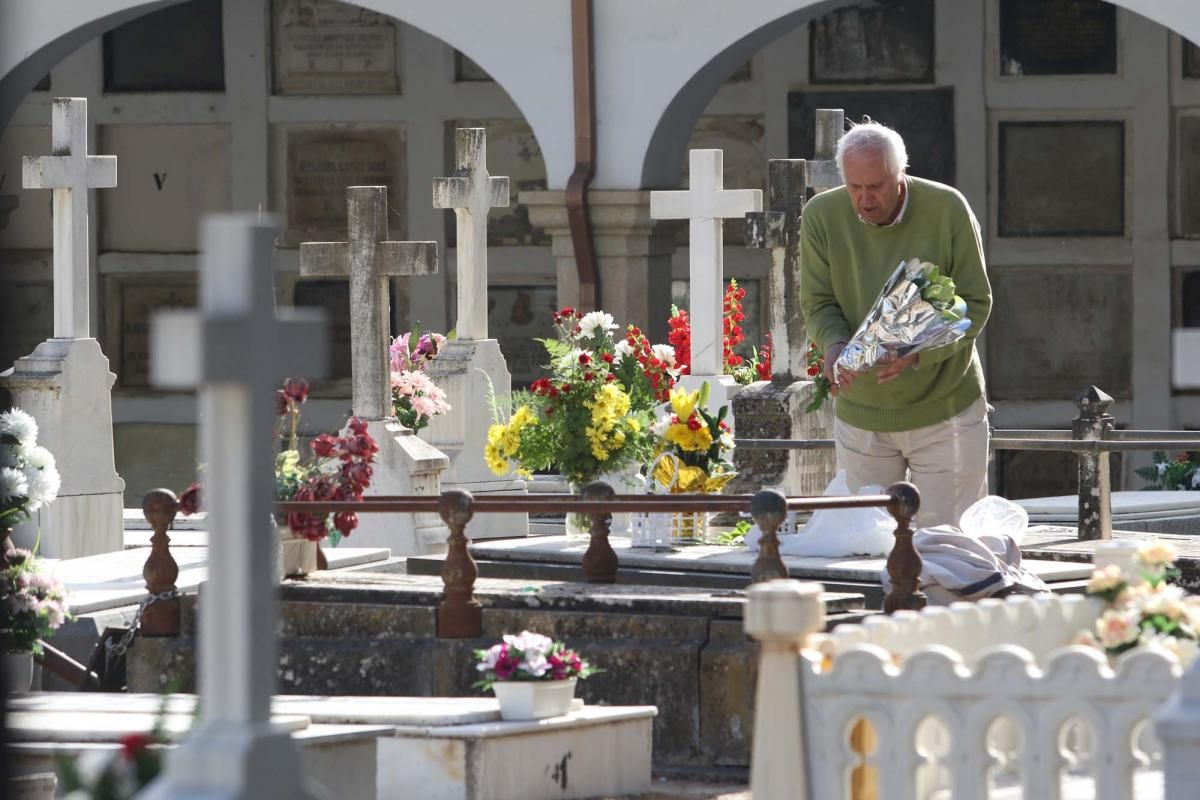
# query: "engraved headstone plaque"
[[873, 42], [1055, 330], [1062, 179], [512, 150], [1058, 37], [744, 164], [1186, 176], [517, 315], [333, 296], [1191, 59], [177, 49], [326, 47], [28, 316], [132, 301], [322, 162], [170, 176], [924, 117]]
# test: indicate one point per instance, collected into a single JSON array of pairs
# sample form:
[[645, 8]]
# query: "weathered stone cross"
[[369, 260], [706, 203], [778, 229], [70, 172], [236, 349], [471, 192]]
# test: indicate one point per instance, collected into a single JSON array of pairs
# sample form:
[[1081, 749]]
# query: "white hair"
[[876, 138]]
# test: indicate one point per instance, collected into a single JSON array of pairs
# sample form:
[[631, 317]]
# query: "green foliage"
[[1171, 473]]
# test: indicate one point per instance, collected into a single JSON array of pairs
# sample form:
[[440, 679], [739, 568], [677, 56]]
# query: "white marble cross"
[[706, 203], [471, 192], [369, 260], [236, 350], [70, 172]]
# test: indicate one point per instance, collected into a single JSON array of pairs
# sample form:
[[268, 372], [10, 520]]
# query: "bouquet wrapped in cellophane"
[[916, 311]]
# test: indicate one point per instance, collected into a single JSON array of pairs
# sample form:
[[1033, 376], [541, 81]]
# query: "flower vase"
[[17, 671], [578, 526], [524, 700], [690, 527], [297, 555]]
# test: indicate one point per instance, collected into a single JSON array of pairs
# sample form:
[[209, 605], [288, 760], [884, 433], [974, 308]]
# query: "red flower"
[[693, 423], [133, 745], [324, 445], [345, 521], [296, 389], [566, 387], [607, 358], [585, 359], [813, 372], [189, 501], [358, 426], [357, 474], [610, 377], [281, 403]]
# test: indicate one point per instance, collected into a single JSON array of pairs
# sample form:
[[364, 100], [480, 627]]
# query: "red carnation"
[[585, 359], [345, 521], [324, 445], [296, 389], [358, 426]]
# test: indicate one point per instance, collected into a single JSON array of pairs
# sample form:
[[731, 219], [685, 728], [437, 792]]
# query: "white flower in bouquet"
[[1163, 600], [19, 425], [1116, 628], [43, 477], [624, 349], [13, 485], [571, 359], [1183, 649], [529, 642], [1157, 554], [596, 322], [1106, 579], [664, 353]]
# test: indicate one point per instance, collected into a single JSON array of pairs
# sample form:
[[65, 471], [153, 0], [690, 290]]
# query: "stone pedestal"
[[66, 386], [633, 255], [768, 410], [404, 465], [471, 372]]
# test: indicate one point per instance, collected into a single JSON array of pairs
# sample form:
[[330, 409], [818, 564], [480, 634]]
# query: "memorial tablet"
[[512, 150], [873, 43], [1058, 37], [326, 47], [517, 315], [177, 49], [131, 301]]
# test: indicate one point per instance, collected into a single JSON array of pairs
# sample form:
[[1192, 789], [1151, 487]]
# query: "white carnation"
[[664, 353], [13, 485], [20, 425], [595, 322]]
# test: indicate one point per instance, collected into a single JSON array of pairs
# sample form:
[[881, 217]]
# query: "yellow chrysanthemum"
[[634, 425], [693, 441], [495, 433], [521, 418], [496, 462]]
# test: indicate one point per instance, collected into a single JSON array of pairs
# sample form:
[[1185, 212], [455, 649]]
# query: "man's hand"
[[844, 379], [892, 369]]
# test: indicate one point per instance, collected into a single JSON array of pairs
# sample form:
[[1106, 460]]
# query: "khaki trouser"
[[947, 462]]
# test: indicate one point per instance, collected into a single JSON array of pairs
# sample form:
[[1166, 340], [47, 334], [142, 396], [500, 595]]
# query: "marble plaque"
[[1054, 331], [752, 306], [1191, 60], [467, 71], [321, 162], [873, 42], [149, 455], [30, 224], [1062, 178], [169, 177], [28, 316], [1028, 473], [334, 296], [512, 150], [176, 49], [743, 141], [516, 316], [326, 47], [924, 117], [1187, 177], [130, 304], [1058, 37]]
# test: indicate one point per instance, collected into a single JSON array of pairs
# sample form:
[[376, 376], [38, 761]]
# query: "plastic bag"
[[839, 532], [995, 516]]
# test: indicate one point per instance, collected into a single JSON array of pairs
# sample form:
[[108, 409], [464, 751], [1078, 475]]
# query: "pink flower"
[[399, 354]]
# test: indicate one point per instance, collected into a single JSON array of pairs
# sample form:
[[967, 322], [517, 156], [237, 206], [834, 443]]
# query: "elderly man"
[[922, 417]]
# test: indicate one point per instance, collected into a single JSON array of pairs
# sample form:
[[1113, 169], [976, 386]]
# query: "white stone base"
[[405, 465], [66, 386], [721, 391], [595, 752]]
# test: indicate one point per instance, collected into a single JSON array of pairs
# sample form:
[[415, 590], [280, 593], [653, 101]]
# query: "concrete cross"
[[236, 350], [778, 229], [369, 260], [471, 192], [70, 172], [706, 203]]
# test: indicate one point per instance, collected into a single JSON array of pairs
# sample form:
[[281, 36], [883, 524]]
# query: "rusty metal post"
[[904, 563], [600, 560], [459, 614], [1095, 483], [160, 618], [769, 509]]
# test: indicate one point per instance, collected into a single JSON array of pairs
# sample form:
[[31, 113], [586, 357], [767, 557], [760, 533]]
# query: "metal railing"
[[1092, 437]]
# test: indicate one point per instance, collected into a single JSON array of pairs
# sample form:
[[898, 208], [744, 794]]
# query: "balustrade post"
[[600, 560], [1095, 482], [769, 509], [459, 616], [781, 615], [161, 617], [904, 563]]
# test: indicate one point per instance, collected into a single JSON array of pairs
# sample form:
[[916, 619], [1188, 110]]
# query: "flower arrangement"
[[743, 370], [1181, 472], [117, 774], [592, 414], [29, 478], [693, 445], [529, 657], [1153, 613], [415, 398], [815, 361], [33, 604]]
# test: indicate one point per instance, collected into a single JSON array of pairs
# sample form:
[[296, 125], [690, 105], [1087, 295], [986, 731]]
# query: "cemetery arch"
[[663, 148]]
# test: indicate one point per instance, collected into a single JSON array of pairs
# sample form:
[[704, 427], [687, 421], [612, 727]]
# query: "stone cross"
[[236, 350], [70, 172], [706, 203], [778, 229], [369, 260], [471, 192]]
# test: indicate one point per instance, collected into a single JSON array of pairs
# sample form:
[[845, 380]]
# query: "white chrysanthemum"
[[664, 353], [38, 457], [19, 425], [8, 456], [624, 349], [13, 484], [595, 322], [44, 484]]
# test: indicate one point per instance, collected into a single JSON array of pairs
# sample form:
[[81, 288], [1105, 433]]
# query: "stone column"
[[633, 255], [1095, 482]]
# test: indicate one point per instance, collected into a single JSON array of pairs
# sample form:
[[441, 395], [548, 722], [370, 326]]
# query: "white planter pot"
[[534, 699], [17, 671], [297, 556]]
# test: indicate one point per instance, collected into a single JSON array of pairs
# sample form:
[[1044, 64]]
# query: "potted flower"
[[415, 398], [532, 675], [590, 417], [32, 606], [29, 478]]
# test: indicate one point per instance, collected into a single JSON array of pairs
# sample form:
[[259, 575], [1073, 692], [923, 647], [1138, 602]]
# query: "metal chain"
[[114, 651]]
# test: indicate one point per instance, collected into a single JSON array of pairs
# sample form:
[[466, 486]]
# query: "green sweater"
[[844, 263]]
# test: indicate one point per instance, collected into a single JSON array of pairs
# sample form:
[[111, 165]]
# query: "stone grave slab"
[[327, 47], [1061, 543], [873, 43]]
